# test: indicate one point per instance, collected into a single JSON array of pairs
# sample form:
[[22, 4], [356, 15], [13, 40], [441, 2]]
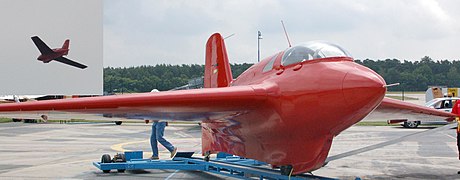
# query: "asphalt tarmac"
[[66, 151]]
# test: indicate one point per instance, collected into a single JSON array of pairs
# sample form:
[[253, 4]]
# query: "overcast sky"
[[53, 21], [149, 32]]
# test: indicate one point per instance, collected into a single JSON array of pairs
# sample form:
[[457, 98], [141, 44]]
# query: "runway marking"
[[448, 135], [119, 147], [172, 174], [182, 134], [407, 164]]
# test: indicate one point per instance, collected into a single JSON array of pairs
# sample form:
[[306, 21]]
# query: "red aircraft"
[[57, 54], [284, 110]]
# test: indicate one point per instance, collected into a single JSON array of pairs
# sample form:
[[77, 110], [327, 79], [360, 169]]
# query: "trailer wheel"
[[122, 157], [121, 170], [118, 122], [286, 170], [106, 159], [119, 157], [207, 155], [411, 124]]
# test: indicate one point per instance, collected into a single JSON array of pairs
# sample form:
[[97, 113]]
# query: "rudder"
[[217, 71], [66, 44]]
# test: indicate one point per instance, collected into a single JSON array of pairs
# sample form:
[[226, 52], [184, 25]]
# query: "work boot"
[[154, 158], [173, 153]]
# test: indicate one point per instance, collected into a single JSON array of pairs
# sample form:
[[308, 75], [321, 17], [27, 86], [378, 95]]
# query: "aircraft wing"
[[42, 47], [391, 109], [186, 105], [70, 62]]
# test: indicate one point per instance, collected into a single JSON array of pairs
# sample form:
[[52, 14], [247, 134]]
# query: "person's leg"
[[153, 140], [160, 132], [458, 144]]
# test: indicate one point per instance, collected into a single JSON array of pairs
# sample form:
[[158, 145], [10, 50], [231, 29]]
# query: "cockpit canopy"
[[312, 50]]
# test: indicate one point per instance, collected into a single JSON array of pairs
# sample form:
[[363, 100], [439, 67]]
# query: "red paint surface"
[[217, 71]]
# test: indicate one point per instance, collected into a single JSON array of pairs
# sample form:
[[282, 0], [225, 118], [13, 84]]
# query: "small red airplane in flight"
[[48, 54], [284, 111]]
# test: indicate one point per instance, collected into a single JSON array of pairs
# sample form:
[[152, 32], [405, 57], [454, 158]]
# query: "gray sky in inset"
[[149, 32], [53, 21]]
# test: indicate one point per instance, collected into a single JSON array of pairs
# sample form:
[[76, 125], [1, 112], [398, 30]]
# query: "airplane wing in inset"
[[70, 62], [391, 109], [42, 47]]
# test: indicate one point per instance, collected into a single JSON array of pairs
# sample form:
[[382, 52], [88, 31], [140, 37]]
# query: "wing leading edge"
[[192, 105], [70, 62], [396, 109], [42, 47]]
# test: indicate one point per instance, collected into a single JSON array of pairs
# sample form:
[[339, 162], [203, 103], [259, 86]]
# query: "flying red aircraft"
[[284, 110], [48, 54]]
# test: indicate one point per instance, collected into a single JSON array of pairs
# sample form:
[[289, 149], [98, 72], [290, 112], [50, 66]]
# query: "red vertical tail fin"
[[66, 44], [217, 72]]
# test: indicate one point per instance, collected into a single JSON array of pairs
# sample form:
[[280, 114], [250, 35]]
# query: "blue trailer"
[[223, 164]]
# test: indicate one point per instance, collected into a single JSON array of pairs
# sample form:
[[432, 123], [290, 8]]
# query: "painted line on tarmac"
[[448, 135], [119, 147], [172, 174], [402, 163], [182, 134]]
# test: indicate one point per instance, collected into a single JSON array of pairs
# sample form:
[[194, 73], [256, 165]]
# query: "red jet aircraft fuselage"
[[312, 101], [58, 52]]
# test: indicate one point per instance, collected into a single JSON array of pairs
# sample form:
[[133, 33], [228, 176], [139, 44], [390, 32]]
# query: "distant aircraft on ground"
[[284, 111], [19, 98], [48, 54]]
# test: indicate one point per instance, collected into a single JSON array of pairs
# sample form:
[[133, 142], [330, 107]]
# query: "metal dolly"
[[223, 164]]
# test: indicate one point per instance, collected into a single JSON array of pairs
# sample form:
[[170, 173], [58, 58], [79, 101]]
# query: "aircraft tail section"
[[66, 44], [217, 71]]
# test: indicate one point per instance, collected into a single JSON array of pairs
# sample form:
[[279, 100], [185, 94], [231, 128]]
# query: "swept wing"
[[70, 62], [42, 47], [396, 109]]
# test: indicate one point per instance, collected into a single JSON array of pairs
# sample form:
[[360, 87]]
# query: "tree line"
[[162, 77], [413, 76], [417, 75]]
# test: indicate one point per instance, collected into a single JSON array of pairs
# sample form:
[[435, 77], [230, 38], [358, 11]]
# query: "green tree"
[[453, 77], [413, 75]]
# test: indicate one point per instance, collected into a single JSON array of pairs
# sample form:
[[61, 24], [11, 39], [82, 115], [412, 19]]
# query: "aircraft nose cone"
[[363, 89]]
